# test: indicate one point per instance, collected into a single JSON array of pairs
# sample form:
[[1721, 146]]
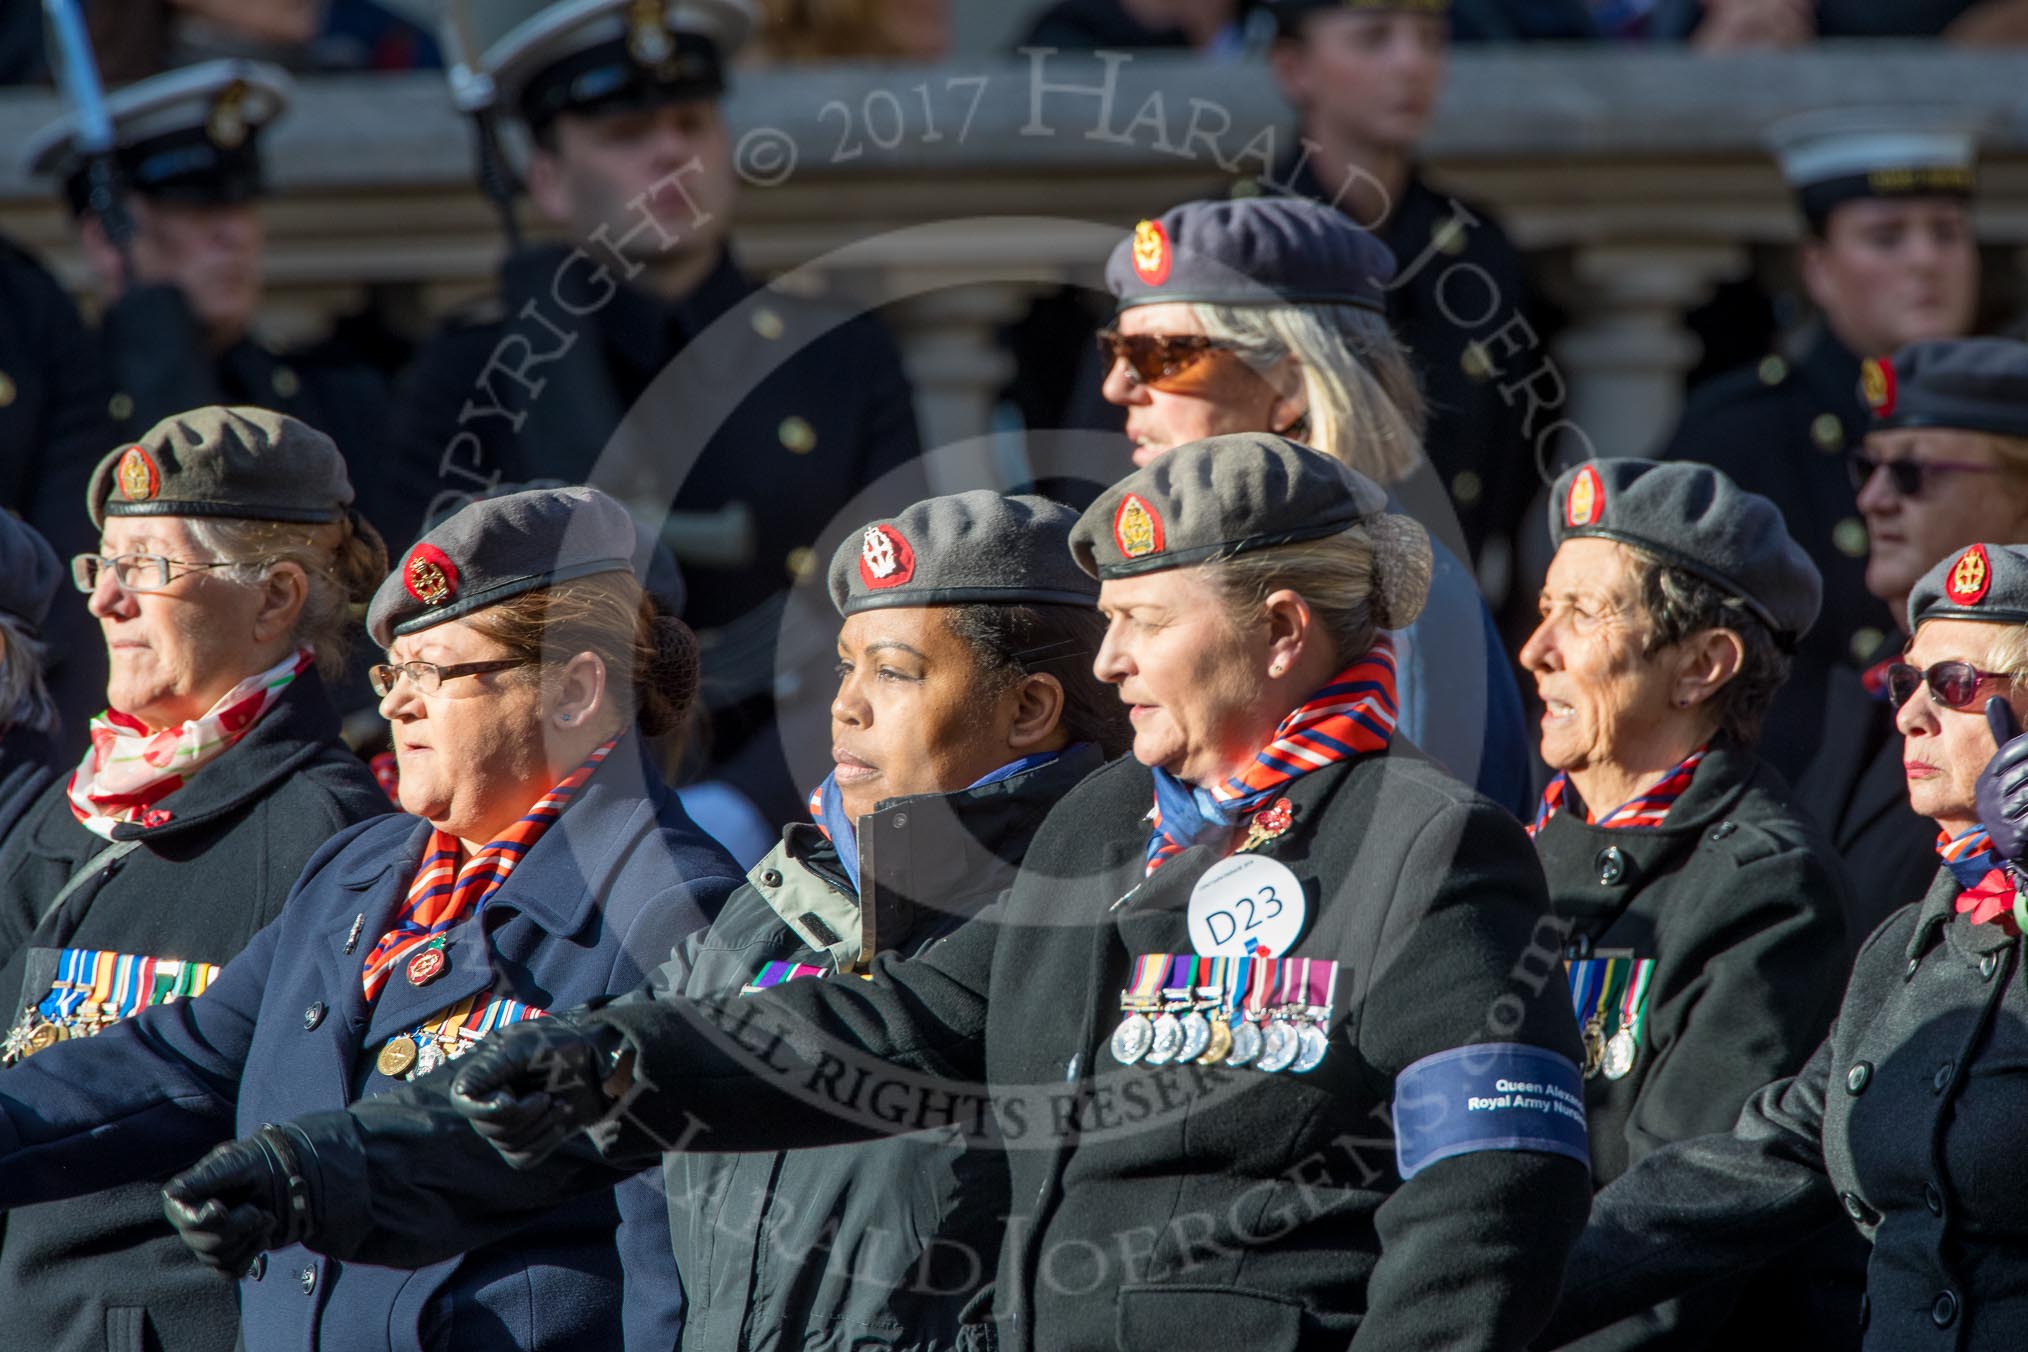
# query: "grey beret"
[[497, 549], [1977, 384], [246, 463], [1251, 251], [29, 571], [976, 548], [1692, 517], [1980, 582]]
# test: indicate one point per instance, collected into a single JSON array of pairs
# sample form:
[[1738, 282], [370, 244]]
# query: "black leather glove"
[[244, 1198], [2002, 792], [528, 1088]]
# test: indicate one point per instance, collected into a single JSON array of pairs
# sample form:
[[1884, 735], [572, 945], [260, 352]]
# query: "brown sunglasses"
[[1157, 357]]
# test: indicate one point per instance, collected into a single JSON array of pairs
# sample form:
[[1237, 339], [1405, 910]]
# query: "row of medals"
[[423, 1051], [32, 1033], [1611, 1056], [1188, 1026]]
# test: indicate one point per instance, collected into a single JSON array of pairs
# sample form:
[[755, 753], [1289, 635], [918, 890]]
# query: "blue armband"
[[1489, 1096]]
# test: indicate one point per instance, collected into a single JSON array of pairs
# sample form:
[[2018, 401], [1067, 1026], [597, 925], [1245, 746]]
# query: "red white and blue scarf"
[[1987, 892], [1648, 808], [1352, 716], [446, 892]]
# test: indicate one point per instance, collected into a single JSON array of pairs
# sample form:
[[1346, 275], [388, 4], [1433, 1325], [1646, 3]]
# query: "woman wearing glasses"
[[229, 556], [544, 865], [1944, 463], [1270, 315], [1703, 915], [1909, 1121]]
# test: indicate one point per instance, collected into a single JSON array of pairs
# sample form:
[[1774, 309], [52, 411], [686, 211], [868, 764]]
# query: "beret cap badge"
[[1152, 255], [1876, 384], [1970, 577], [1136, 528], [1585, 502], [886, 559], [138, 477], [429, 575]]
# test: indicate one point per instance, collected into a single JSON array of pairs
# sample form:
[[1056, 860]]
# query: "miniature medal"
[[1618, 1058], [1133, 1037], [1311, 1043], [397, 1058], [1168, 1040], [1279, 1044]]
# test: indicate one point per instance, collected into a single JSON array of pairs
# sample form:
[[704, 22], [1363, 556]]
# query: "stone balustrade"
[[1636, 180]]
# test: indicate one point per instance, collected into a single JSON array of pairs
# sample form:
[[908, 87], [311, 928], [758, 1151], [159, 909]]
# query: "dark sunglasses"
[[1954, 685], [1156, 357], [1909, 477]]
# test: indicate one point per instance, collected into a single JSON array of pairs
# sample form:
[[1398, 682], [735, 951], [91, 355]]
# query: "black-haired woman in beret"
[[1908, 1122], [966, 709], [228, 559], [543, 864], [1264, 1021], [1703, 913]]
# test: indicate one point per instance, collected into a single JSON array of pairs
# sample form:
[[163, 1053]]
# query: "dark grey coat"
[[1909, 1123], [877, 1244]]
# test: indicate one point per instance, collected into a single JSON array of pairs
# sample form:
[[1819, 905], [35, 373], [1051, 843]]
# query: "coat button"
[[1070, 1071], [1611, 864], [1857, 1077], [1942, 1078], [1723, 829], [1932, 1199], [1945, 1312], [313, 1016], [901, 821], [258, 1268], [1856, 1208], [308, 1277], [1989, 965], [771, 878], [1913, 963]]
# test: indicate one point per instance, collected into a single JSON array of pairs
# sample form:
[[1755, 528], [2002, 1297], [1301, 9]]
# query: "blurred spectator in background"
[[854, 30], [53, 428], [573, 369], [179, 304], [1364, 77], [1209, 27], [1888, 259]]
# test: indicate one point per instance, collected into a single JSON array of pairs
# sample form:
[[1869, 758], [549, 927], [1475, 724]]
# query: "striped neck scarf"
[[1987, 892], [127, 769], [1351, 716], [1649, 808], [445, 892]]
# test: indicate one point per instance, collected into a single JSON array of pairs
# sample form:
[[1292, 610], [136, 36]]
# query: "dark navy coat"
[[285, 1029]]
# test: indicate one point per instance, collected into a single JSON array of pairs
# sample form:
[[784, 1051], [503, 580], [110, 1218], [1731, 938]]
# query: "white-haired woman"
[[228, 559]]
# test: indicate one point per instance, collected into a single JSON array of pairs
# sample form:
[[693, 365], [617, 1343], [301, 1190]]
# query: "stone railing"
[[1635, 180]]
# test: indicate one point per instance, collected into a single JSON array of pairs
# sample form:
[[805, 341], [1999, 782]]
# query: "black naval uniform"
[[833, 418], [1172, 1206], [1781, 430], [1475, 439], [1908, 1124], [888, 1240]]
